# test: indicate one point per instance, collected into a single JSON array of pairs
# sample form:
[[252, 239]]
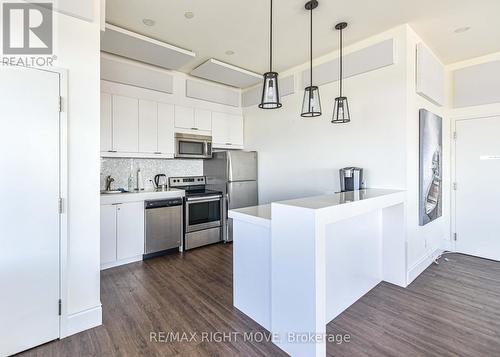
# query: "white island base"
[[298, 264]]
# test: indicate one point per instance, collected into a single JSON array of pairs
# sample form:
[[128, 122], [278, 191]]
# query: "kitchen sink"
[[112, 192]]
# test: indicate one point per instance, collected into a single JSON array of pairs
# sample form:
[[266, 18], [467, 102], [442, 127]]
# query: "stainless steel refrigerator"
[[235, 174]]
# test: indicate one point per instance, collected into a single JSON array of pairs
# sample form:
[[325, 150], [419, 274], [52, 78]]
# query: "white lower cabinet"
[[129, 230], [108, 234], [122, 233]]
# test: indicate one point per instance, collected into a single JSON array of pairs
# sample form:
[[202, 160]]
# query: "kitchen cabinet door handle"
[[229, 144], [194, 128]]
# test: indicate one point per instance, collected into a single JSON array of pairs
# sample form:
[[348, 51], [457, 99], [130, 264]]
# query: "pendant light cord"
[[311, 48], [341, 60], [271, 40]]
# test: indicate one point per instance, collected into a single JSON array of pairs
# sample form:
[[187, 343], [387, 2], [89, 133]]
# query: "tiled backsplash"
[[120, 169]]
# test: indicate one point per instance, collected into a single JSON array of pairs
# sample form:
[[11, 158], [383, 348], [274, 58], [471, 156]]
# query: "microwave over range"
[[190, 146]]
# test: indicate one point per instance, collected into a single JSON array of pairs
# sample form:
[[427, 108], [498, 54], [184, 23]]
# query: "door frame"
[[453, 196]]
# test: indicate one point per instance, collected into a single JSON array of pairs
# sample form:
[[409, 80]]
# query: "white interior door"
[[478, 189], [29, 214]]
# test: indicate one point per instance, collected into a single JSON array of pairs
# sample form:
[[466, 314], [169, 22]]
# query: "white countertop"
[[114, 198], [337, 199], [260, 215]]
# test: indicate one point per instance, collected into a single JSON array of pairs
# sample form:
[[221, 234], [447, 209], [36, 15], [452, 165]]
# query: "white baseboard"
[[423, 263], [448, 245], [81, 321], [117, 263]]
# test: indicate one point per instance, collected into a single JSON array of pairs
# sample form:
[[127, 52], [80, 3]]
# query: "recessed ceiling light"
[[189, 14], [229, 52], [148, 22], [462, 29]]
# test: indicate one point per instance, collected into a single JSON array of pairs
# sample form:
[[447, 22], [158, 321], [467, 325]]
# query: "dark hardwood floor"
[[452, 309]]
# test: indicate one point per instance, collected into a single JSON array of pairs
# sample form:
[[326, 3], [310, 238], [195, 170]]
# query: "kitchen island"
[[299, 263]]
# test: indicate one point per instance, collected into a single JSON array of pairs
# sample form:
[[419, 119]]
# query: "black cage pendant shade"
[[341, 108], [270, 92], [311, 104]]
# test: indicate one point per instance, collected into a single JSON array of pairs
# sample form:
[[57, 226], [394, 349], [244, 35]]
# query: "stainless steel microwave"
[[190, 146]]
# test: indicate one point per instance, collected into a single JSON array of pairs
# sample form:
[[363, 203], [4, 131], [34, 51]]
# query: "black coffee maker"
[[351, 179]]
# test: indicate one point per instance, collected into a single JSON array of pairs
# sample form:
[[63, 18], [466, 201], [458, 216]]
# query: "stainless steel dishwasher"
[[164, 225]]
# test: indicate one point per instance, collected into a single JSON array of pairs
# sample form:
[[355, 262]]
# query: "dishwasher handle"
[[163, 203]]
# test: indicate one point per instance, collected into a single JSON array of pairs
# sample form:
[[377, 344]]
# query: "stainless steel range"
[[204, 209]]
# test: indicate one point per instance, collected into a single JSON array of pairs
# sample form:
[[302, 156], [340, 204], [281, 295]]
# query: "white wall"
[[300, 156], [77, 48], [423, 240]]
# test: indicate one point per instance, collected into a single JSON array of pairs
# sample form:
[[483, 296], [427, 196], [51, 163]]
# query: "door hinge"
[[60, 104], [454, 135], [455, 236], [60, 307], [455, 186], [60, 205]]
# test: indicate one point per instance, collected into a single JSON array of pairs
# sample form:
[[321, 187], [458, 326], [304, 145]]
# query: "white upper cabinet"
[[220, 129], [236, 130], [106, 122], [184, 117], [203, 119], [166, 128], [125, 124], [193, 119], [148, 126], [227, 131], [142, 128], [133, 127]]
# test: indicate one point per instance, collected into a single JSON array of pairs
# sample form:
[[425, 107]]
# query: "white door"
[[129, 230], [478, 190], [125, 124], [148, 126], [29, 214]]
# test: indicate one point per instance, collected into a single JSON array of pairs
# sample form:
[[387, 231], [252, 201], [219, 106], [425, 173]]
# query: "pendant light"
[[311, 105], [270, 93], [341, 108]]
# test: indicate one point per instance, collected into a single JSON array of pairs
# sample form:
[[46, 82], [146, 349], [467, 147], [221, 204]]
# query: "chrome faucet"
[[109, 181]]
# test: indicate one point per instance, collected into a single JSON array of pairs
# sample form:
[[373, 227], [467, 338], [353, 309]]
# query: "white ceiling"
[[242, 26]]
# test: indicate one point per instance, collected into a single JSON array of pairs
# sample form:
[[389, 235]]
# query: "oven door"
[[203, 213]]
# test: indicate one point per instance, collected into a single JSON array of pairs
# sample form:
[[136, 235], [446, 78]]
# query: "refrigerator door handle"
[[225, 223]]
